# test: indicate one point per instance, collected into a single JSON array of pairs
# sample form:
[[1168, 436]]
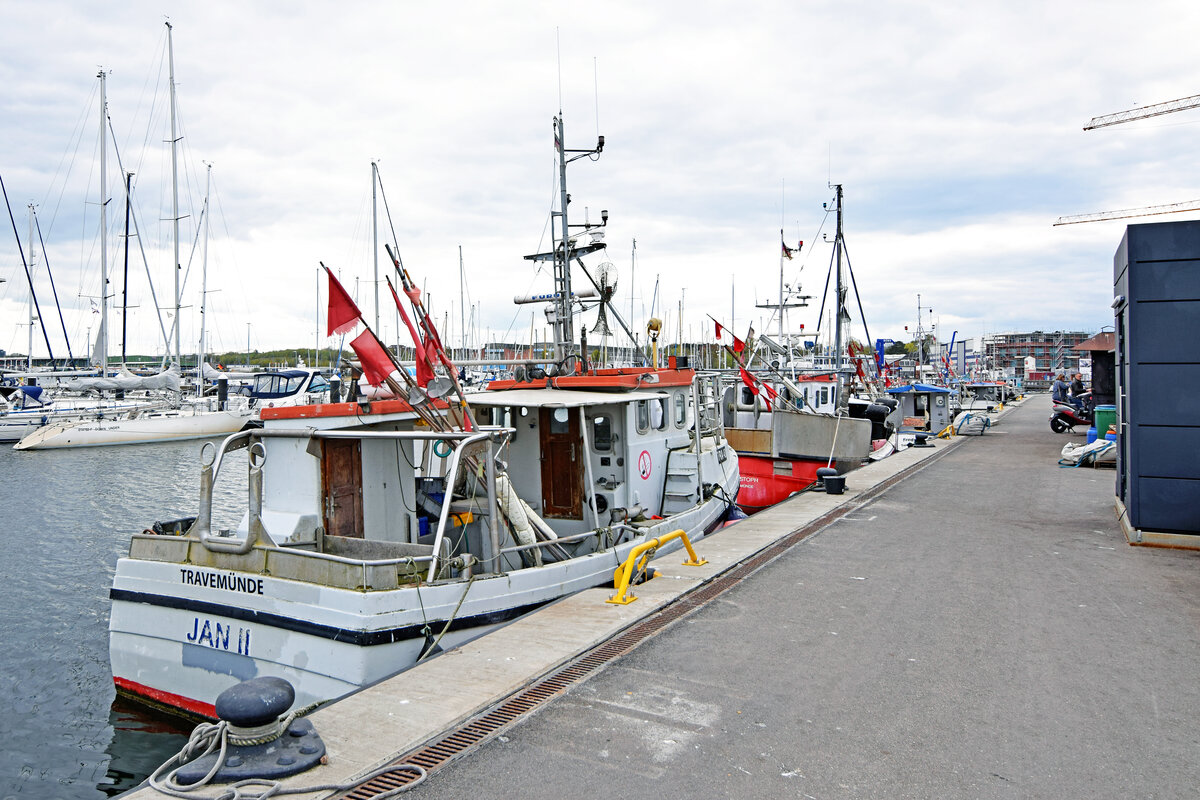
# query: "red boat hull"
[[766, 481]]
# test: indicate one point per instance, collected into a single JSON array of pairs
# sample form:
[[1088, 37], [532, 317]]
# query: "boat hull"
[[767, 481], [146, 428], [186, 623], [777, 461], [16, 424]]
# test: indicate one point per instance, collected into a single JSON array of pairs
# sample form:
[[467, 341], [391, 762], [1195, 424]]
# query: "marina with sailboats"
[[533, 513]]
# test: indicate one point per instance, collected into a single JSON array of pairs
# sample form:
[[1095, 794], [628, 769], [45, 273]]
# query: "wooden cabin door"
[[562, 457], [341, 479]]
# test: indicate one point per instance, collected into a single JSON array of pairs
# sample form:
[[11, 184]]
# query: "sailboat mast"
[[203, 287], [32, 268], [125, 280], [462, 319], [375, 234], [103, 338], [174, 191]]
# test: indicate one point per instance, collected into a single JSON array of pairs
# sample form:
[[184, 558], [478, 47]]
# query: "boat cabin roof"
[[560, 398], [359, 411], [919, 387], [615, 379]]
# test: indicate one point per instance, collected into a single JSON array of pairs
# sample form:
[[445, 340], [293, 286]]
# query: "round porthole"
[[561, 414]]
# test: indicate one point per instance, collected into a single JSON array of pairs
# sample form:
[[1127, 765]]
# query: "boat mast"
[[375, 234], [462, 319], [103, 338], [841, 291], [32, 268], [632, 271], [203, 286], [564, 331], [563, 248], [125, 280], [174, 191]]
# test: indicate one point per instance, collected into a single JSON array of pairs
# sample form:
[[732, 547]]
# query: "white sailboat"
[[197, 417]]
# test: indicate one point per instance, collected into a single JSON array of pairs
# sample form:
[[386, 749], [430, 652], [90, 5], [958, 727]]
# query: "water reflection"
[[142, 740]]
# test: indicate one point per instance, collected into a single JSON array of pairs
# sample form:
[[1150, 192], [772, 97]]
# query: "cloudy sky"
[[955, 129]]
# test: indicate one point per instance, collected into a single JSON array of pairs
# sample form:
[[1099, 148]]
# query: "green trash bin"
[[1105, 416]]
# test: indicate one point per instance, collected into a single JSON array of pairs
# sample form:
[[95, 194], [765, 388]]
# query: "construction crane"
[[1142, 112]]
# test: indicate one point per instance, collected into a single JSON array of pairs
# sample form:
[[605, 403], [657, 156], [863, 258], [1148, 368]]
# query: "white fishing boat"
[[797, 415], [781, 443], [379, 532]]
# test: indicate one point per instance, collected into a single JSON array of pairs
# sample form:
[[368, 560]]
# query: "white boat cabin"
[[742, 408]]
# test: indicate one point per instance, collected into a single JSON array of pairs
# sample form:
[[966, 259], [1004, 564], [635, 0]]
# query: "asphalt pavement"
[[979, 630]]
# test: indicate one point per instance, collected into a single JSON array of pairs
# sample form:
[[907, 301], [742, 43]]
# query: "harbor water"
[[68, 516]]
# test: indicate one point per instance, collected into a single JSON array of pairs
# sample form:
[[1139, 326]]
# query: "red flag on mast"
[[424, 369], [343, 313], [748, 380], [377, 365], [720, 330], [771, 394]]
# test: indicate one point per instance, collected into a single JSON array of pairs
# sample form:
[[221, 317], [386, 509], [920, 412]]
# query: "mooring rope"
[[209, 737]]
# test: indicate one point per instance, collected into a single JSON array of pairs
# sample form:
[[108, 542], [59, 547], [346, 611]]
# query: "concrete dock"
[[966, 621]]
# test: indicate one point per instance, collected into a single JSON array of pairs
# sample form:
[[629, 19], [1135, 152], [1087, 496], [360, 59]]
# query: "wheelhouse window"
[[560, 421], [658, 413], [643, 416], [680, 409], [602, 433], [746, 398]]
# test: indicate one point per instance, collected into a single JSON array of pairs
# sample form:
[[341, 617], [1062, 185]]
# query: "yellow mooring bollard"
[[624, 573]]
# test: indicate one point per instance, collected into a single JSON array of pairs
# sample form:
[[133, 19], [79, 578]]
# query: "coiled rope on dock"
[[209, 737]]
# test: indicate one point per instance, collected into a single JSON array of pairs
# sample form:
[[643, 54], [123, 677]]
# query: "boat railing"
[[706, 399], [460, 442]]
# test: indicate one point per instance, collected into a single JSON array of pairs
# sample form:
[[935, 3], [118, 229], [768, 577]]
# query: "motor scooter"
[[1066, 416]]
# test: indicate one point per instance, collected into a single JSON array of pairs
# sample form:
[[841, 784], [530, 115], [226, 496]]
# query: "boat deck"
[[966, 620]]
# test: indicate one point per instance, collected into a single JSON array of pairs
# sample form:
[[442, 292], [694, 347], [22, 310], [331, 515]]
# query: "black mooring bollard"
[[831, 481], [259, 744]]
